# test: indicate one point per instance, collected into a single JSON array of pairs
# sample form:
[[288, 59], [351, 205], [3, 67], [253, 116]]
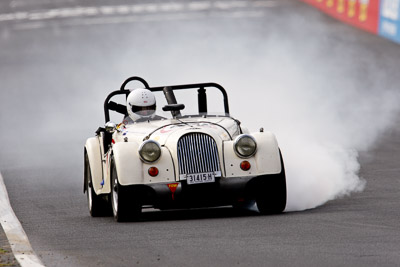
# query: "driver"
[[141, 105]]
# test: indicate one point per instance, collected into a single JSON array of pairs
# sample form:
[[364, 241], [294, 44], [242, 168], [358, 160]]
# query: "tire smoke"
[[323, 116]]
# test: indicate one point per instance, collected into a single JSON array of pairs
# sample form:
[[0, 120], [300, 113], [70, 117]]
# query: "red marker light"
[[153, 171], [245, 165]]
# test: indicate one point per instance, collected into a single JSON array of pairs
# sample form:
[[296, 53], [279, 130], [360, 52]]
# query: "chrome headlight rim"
[[236, 143], [140, 151]]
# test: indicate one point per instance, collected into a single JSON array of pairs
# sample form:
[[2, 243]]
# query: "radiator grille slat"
[[197, 153]]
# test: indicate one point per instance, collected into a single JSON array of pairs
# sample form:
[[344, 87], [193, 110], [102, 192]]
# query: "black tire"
[[125, 206], [270, 193], [99, 206]]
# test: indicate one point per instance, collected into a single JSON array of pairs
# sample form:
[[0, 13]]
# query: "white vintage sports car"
[[198, 160]]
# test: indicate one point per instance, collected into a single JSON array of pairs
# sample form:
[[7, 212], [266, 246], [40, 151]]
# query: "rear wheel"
[[125, 206], [270, 193], [98, 205]]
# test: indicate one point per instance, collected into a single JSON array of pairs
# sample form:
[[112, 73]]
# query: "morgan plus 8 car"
[[182, 161]]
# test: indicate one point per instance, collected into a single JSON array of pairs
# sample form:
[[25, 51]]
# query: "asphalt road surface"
[[56, 69]]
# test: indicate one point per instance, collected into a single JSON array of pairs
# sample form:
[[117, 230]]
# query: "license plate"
[[200, 178]]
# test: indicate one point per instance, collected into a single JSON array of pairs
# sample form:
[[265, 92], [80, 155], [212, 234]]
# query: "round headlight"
[[245, 146], [150, 151]]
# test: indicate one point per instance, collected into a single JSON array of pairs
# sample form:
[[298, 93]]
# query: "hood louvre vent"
[[197, 153]]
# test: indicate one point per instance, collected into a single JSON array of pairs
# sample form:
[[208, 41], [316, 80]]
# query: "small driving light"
[[153, 171], [110, 127], [245, 146], [245, 165], [150, 151]]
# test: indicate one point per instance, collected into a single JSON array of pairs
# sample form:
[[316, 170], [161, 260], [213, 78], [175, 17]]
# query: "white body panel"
[[94, 153], [265, 161], [131, 170]]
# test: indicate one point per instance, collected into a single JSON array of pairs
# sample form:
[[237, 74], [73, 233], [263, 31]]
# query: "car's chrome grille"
[[197, 153]]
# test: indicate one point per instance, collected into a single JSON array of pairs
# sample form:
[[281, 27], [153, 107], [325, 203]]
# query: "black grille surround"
[[197, 153]]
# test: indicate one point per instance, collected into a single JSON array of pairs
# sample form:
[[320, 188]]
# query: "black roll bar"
[[197, 86], [107, 101], [134, 78], [200, 86]]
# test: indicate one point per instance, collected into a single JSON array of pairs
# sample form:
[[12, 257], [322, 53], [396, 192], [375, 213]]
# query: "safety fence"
[[381, 17]]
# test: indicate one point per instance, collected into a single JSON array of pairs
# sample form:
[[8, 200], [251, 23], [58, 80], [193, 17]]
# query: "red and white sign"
[[363, 14]]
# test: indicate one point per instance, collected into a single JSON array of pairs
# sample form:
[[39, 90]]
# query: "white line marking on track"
[[134, 9], [16, 236], [143, 18]]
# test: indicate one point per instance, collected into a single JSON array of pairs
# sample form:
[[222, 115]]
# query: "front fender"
[[131, 170], [265, 161], [92, 148], [127, 163], [268, 158]]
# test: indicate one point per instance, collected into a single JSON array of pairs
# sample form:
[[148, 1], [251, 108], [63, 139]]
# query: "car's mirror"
[[110, 127], [173, 107]]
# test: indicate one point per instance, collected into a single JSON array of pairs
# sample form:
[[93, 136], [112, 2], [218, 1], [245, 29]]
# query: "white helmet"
[[141, 104]]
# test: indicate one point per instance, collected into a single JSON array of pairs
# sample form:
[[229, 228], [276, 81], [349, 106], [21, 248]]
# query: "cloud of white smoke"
[[322, 115]]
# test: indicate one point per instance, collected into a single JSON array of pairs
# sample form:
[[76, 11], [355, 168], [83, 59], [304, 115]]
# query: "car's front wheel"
[[125, 206], [98, 205], [270, 193]]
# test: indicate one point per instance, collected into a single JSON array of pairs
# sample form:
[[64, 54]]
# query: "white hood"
[[163, 131]]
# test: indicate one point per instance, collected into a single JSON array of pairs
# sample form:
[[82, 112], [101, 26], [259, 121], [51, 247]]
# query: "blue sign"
[[389, 19]]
